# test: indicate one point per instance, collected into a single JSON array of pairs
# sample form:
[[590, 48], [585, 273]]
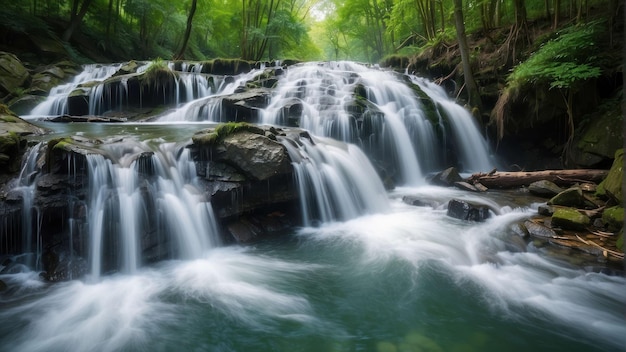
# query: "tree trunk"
[[76, 18], [470, 84], [557, 10], [522, 178], [192, 11], [107, 35]]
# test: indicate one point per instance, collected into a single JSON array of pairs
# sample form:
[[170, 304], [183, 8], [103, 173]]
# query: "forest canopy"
[[361, 30]]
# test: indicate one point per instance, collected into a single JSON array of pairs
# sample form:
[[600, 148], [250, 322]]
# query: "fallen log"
[[525, 178]]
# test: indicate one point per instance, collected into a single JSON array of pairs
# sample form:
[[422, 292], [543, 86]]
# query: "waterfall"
[[335, 181], [327, 94], [380, 111], [56, 102], [139, 195], [207, 106], [26, 187], [473, 148]]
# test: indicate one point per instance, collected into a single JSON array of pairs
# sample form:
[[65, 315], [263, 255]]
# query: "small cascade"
[[30, 216], [472, 146], [336, 181], [208, 107], [145, 197], [56, 103]]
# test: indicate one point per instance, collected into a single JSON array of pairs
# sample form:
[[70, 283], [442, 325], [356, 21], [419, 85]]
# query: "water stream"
[[373, 274]]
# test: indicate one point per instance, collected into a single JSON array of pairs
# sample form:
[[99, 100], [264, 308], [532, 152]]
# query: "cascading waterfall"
[[326, 92], [336, 181], [26, 186], [473, 148], [376, 275], [122, 192], [56, 102], [207, 107]]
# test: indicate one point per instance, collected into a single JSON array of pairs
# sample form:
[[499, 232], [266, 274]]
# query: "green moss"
[[570, 218], [620, 240], [5, 111], [611, 186], [224, 130], [157, 71], [613, 217], [227, 66]]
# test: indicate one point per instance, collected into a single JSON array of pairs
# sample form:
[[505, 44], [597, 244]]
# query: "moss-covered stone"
[[620, 241], [13, 75], [227, 66], [570, 219], [215, 135], [611, 187], [613, 217], [572, 197]]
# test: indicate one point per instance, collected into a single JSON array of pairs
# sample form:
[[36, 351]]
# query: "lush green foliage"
[[563, 61], [363, 30]]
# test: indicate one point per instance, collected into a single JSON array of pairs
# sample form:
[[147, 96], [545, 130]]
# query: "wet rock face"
[[463, 210], [249, 177], [256, 156]]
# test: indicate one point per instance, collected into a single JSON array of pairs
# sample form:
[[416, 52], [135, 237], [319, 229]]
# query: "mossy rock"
[[227, 66], [620, 241], [570, 219], [215, 135], [572, 197], [613, 217], [611, 187], [13, 75]]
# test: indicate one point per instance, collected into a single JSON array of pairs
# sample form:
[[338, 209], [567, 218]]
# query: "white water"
[[208, 107], [326, 92], [335, 180], [56, 102], [473, 148], [120, 197], [409, 259], [375, 272]]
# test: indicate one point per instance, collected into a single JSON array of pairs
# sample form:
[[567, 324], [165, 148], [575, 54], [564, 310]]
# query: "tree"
[[192, 11], [470, 83], [79, 10]]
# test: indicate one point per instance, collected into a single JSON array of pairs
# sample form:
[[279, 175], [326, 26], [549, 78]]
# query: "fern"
[[562, 62]]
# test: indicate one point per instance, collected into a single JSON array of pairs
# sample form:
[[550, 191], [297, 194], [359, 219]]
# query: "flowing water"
[[374, 274]]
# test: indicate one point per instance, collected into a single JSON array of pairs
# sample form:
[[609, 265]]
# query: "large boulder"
[[249, 177], [13, 75], [248, 150]]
